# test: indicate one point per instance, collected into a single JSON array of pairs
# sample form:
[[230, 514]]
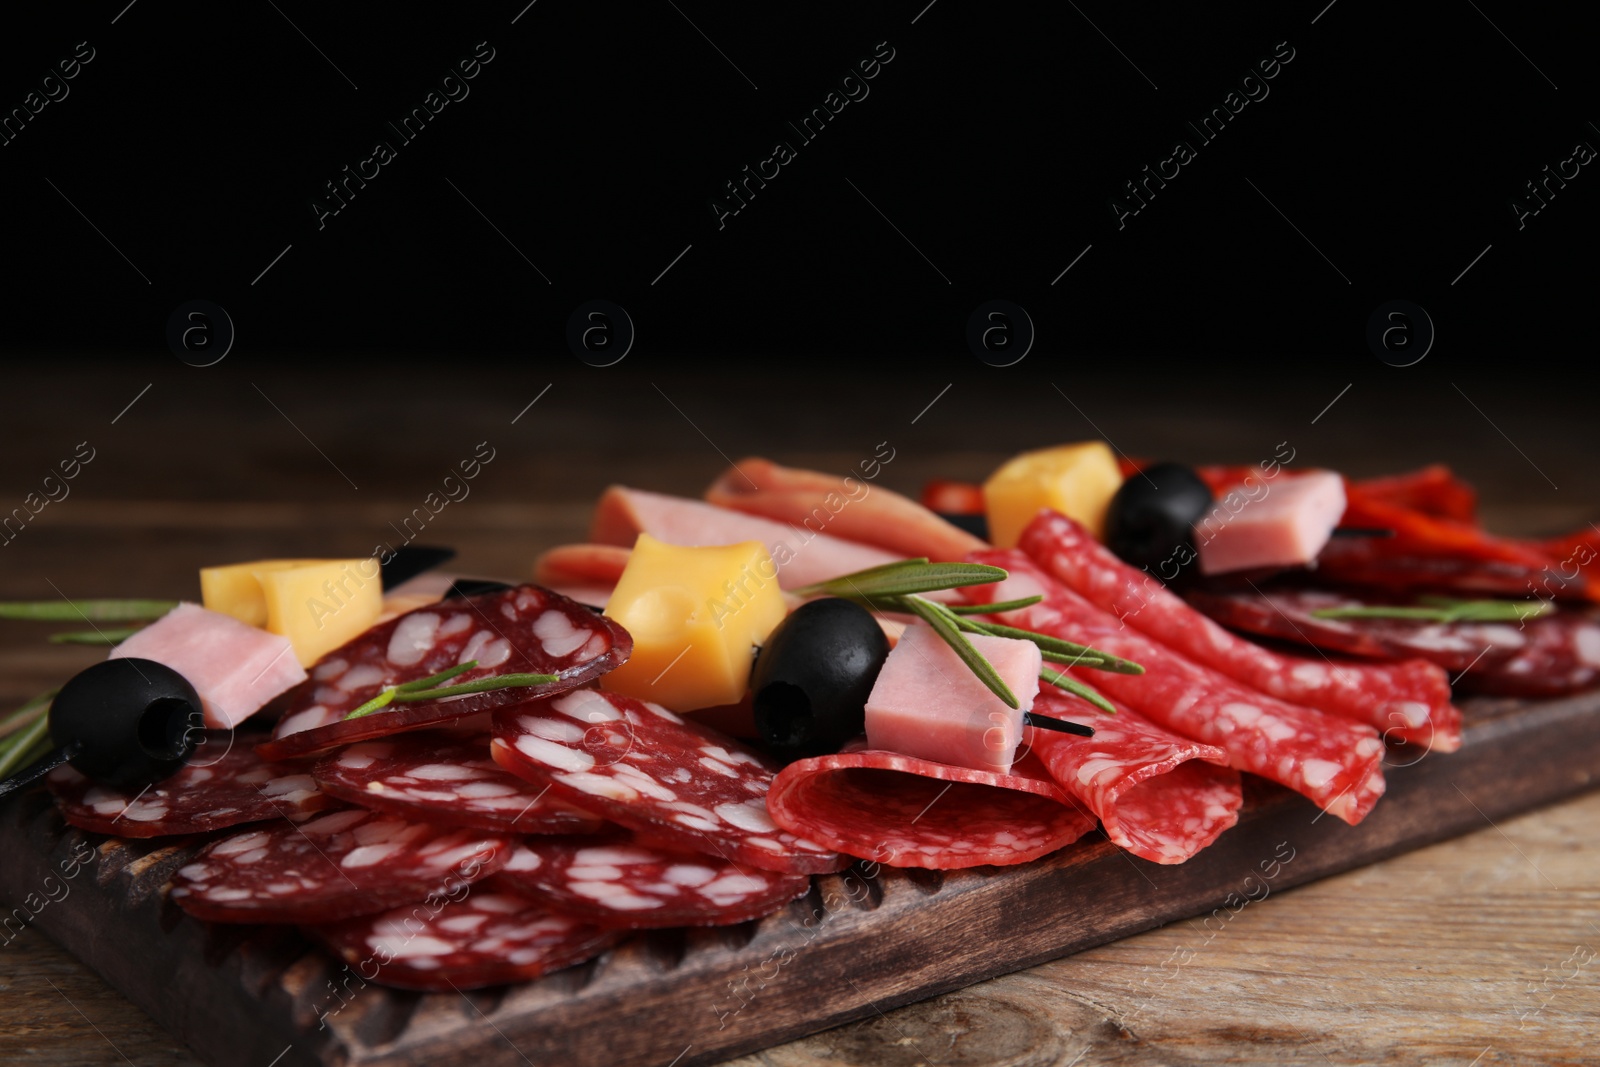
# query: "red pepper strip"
[[1433, 490], [1417, 534], [953, 498]]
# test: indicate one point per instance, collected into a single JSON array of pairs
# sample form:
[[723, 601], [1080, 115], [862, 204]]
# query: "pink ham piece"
[[846, 507], [1407, 701], [1336, 763], [802, 555], [1285, 528], [928, 703], [907, 812], [1160, 796], [235, 667]]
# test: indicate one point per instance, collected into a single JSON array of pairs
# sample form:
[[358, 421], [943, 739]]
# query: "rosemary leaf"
[[434, 679], [94, 637], [481, 685], [995, 608], [904, 578], [15, 751], [1078, 689], [382, 700], [1443, 610], [92, 610]]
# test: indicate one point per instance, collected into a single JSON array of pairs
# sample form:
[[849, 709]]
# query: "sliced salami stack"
[[625, 883], [1409, 700], [433, 776], [677, 783], [225, 784], [1335, 762], [524, 630], [347, 863], [481, 937], [1160, 796]]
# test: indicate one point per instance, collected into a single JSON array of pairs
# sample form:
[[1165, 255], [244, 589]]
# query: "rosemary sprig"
[[36, 708], [428, 688], [94, 637], [92, 610], [1443, 610], [904, 578]]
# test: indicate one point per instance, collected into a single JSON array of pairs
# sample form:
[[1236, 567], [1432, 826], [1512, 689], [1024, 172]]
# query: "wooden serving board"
[[857, 945]]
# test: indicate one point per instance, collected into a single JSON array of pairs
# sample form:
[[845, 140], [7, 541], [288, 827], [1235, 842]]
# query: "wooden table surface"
[[1473, 952]]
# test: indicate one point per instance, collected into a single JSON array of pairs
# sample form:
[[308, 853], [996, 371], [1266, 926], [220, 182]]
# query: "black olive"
[[1151, 520], [813, 676], [126, 722], [462, 588]]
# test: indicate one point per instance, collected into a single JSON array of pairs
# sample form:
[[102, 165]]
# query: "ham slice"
[[1407, 701], [1336, 763], [235, 667], [583, 565], [802, 555], [1285, 527], [1160, 796], [928, 703], [846, 507]]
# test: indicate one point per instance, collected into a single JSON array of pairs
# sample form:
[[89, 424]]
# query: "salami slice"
[[432, 776], [903, 811], [1335, 762], [224, 784], [473, 939], [1561, 655], [1160, 796], [627, 884], [525, 630], [1288, 614], [1409, 700], [639, 765], [337, 866]]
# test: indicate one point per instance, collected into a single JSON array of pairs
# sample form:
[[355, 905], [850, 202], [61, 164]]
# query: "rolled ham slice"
[[1407, 701], [802, 555], [846, 507], [902, 811], [1160, 796], [1335, 762], [235, 667]]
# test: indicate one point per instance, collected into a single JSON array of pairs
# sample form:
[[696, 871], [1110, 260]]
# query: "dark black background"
[[199, 135]]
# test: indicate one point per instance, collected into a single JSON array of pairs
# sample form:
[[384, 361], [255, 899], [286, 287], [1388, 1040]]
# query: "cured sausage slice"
[[337, 866], [433, 776], [639, 765], [1335, 762], [1160, 796], [524, 630], [1410, 700], [474, 938], [902, 811], [224, 784], [628, 884]]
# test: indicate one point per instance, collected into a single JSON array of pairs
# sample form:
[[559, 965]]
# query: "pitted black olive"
[[126, 722], [1150, 522], [813, 676]]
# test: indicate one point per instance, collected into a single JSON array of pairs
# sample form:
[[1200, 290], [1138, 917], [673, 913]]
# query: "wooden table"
[[1472, 952]]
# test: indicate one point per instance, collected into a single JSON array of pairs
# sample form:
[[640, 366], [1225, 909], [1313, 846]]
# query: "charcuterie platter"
[[346, 927]]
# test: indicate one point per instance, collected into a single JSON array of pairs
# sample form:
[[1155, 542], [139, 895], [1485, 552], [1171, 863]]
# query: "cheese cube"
[[1076, 480], [235, 590], [318, 604], [697, 616], [928, 703]]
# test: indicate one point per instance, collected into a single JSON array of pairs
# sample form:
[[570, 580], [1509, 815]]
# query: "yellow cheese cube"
[[696, 616], [1076, 480], [318, 604], [235, 590]]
